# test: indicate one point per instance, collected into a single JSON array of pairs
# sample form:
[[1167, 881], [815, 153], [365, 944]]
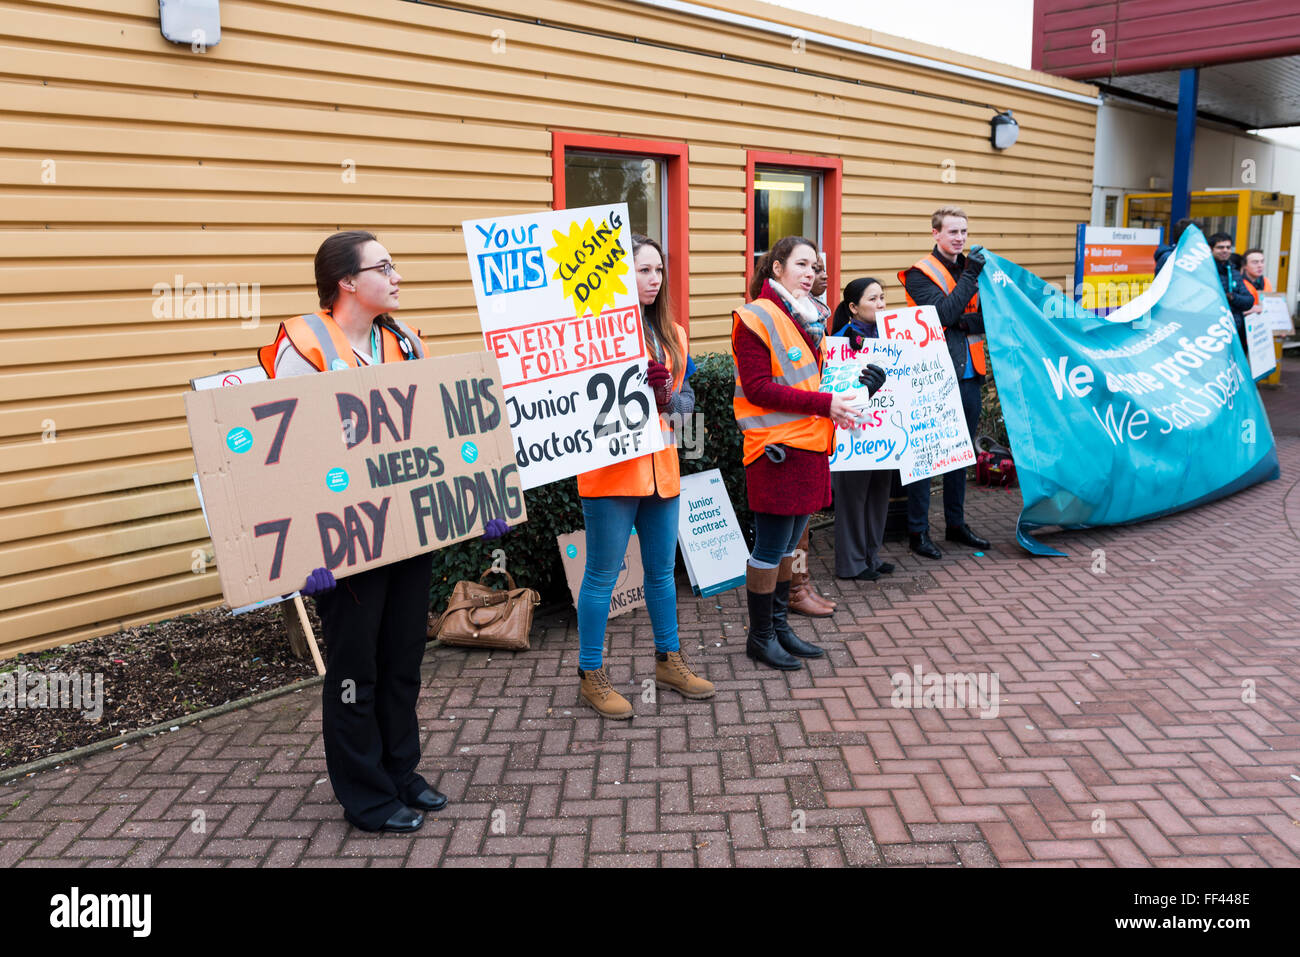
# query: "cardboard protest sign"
[[939, 437], [1259, 347], [557, 299], [880, 440], [709, 535], [1276, 314], [350, 470], [629, 588]]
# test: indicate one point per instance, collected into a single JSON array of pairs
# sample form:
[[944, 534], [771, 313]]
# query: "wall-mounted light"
[[193, 22], [1004, 130]]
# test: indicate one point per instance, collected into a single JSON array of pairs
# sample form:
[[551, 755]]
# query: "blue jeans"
[[609, 526], [954, 482], [775, 537]]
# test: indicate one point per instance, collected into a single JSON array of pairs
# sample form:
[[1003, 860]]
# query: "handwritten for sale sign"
[[558, 305], [880, 439]]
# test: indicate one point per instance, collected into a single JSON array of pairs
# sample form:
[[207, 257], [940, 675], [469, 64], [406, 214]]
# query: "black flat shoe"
[[430, 799], [885, 568], [866, 575], [964, 536], [921, 544], [403, 821]]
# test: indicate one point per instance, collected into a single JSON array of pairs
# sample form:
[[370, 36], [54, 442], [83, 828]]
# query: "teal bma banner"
[[1147, 411]]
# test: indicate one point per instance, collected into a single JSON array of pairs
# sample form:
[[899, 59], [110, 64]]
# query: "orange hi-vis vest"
[[320, 341], [938, 274], [657, 473], [793, 365], [1250, 284]]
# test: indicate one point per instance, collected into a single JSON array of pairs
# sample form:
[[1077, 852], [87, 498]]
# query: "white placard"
[[1276, 315], [880, 440], [709, 535], [556, 295], [1259, 346], [939, 438]]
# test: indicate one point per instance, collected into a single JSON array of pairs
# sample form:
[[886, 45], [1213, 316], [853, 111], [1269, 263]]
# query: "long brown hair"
[[780, 253], [659, 314], [339, 256]]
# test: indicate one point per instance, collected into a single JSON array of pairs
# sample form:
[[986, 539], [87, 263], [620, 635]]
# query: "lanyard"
[[374, 345]]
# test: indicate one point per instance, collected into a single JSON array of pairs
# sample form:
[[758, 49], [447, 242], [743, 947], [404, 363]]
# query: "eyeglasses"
[[386, 267]]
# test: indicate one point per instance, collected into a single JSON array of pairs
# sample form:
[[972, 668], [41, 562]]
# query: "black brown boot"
[[785, 635], [761, 644]]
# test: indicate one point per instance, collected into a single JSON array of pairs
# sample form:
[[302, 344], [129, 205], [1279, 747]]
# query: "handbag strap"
[[510, 579]]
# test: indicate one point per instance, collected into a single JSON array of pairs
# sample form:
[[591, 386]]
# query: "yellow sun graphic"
[[590, 261]]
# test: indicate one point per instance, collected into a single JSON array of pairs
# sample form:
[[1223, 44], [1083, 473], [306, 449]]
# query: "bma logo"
[[512, 270]]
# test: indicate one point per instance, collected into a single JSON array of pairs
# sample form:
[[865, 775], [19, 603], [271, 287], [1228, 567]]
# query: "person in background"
[[1253, 272], [949, 281], [861, 498], [641, 492], [789, 431], [1163, 251], [805, 599], [1241, 298], [374, 622]]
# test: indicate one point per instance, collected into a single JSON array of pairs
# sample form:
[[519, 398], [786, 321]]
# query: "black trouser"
[[375, 626], [954, 482]]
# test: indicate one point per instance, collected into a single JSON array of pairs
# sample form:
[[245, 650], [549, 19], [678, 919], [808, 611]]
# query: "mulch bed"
[[152, 674]]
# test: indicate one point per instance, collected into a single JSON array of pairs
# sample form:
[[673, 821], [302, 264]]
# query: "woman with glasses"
[[374, 622]]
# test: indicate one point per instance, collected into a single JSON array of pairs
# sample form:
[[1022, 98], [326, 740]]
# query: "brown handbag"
[[480, 617]]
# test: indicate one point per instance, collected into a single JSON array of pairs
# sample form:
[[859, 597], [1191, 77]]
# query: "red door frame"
[[832, 170], [678, 231]]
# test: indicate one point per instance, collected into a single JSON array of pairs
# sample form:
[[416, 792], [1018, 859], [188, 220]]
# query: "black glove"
[[873, 377], [975, 261]]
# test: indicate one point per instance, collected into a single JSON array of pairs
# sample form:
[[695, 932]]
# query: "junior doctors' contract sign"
[[556, 294]]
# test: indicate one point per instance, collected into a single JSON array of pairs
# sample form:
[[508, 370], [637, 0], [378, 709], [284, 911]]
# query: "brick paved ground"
[[1121, 738]]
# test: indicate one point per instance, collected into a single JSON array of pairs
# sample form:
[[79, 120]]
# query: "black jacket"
[[1239, 297], [956, 322]]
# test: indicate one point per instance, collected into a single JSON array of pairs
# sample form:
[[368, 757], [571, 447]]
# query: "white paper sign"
[[880, 440], [709, 535], [1276, 315], [1259, 347], [940, 441], [556, 295]]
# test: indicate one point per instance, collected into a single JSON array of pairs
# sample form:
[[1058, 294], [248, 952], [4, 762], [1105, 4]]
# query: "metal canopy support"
[[1181, 200]]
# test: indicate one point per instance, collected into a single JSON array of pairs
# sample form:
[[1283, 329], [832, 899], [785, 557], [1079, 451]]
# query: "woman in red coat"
[[777, 344]]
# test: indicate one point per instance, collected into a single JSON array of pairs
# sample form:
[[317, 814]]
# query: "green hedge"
[[532, 556]]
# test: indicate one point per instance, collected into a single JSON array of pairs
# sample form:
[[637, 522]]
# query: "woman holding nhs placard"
[[641, 492]]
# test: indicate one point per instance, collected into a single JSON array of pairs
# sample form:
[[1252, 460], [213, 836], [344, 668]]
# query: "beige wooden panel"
[[69, 579], [108, 606], [28, 420], [108, 475], [70, 548], [91, 511], [67, 636]]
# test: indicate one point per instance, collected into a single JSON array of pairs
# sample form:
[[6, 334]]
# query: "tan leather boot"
[[804, 598], [674, 671], [596, 691]]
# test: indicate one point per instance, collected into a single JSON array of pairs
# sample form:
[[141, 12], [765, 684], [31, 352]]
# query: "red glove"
[[661, 383]]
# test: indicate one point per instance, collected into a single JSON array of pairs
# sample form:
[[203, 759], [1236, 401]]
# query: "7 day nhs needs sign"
[[556, 295]]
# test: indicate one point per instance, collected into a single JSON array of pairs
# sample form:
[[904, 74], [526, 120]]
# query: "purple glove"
[[495, 529], [320, 580]]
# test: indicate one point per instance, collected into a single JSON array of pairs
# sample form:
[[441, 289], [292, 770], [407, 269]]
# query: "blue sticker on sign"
[[469, 452], [337, 365], [336, 480], [571, 551], [239, 440], [794, 354]]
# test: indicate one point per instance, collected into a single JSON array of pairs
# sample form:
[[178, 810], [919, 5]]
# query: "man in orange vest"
[[1252, 270], [949, 281]]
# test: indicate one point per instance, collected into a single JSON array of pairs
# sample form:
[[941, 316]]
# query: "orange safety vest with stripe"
[[793, 365], [937, 273], [658, 473], [1250, 284], [320, 341]]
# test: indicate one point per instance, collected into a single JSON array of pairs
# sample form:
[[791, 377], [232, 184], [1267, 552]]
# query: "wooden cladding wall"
[[129, 166]]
